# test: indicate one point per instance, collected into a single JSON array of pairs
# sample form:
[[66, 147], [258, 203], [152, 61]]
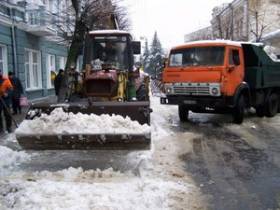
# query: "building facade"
[[246, 20], [201, 34], [29, 44]]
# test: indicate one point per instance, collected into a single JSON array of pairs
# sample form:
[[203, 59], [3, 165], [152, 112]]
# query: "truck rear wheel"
[[238, 110], [271, 106], [183, 112]]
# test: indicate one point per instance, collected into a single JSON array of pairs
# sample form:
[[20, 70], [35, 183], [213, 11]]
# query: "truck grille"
[[192, 90]]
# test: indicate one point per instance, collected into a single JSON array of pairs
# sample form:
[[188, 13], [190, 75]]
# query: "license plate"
[[190, 102]]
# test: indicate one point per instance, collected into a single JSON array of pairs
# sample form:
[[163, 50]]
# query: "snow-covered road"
[[88, 179], [207, 163]]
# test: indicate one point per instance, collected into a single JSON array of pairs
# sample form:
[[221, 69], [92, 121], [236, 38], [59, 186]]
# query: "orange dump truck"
[[221, 77]]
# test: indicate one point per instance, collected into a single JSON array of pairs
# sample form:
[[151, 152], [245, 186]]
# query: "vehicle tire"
[[238, 110], [183, 113], [260, 111], [272, 105]]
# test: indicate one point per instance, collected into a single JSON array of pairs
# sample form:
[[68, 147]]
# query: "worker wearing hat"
[[5, 101]]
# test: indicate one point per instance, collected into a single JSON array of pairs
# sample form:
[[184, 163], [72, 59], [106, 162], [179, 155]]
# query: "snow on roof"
[[272, 35], [97, 32], [216, 42]]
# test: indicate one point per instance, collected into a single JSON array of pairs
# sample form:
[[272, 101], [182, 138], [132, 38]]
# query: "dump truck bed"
[[260, 70]]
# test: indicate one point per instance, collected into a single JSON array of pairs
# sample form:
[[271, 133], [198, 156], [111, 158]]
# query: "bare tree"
[[73, 22], [89, 15], [259, 20]]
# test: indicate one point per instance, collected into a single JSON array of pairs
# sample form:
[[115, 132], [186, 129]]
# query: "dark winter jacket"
[[17, 87], [57, 83]]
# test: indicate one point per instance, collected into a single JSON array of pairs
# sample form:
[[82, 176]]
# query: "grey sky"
[[170, 18]]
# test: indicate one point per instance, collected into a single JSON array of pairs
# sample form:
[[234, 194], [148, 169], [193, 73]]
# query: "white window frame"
[[78, 64], [31, 75], [4, 59], [49, 69], [62, 62]]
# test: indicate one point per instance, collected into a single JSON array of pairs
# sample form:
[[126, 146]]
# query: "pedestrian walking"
[[58, 81], [5, 102], [16, 93]]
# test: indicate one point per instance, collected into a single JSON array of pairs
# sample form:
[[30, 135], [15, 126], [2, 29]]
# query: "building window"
[[62, 62], [79, 63], [51, 5], [4, 59], [51, 70], [32, 64], [33, 18]]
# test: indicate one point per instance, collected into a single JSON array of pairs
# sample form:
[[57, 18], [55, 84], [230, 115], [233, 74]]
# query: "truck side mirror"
[[165, 61], [136, 47]]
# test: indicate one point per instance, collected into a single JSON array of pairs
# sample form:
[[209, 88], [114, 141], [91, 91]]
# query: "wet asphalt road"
[[236, 166]]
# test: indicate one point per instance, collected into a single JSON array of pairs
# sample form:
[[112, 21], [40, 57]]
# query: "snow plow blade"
[[137, 111], [86, 142]]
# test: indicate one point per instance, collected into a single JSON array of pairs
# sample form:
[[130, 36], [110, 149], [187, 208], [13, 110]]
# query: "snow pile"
[[60, 122], [10, 158], [83, 192], [159, 117], [78, 174], [10, 138], [272, 52]]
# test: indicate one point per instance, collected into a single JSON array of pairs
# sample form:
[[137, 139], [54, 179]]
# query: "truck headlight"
[[168, 90], [215, 91]]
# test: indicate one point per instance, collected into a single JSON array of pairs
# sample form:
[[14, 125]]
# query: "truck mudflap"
[[85, 142]]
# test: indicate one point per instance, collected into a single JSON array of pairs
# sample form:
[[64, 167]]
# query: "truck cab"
[[214, 77]]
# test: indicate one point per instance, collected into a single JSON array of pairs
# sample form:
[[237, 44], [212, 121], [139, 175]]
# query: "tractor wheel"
[[272, 105], [183, 113], [238, 110]]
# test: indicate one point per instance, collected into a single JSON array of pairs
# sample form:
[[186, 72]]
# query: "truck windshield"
[[197, 56], [110, 51]]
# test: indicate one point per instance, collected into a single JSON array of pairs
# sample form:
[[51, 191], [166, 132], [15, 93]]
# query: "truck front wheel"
[[238, 110], [271, 107], [183, 112]]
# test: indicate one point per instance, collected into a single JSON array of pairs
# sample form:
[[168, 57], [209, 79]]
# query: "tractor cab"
[[109, 65], [110, 49]]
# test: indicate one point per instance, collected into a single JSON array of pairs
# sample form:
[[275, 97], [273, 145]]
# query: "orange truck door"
[[234, 71]]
